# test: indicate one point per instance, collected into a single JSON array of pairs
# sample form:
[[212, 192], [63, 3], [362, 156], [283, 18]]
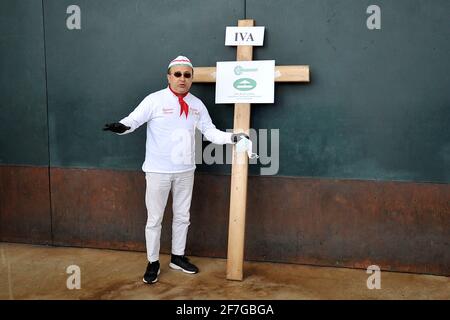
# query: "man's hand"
[[116, 127], [236, 137]]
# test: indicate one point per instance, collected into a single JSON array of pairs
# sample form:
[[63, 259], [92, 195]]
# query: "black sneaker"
[[182, 263], [152, 272]]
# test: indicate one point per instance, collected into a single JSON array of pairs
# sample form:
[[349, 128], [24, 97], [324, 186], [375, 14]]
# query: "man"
[[172, 114]]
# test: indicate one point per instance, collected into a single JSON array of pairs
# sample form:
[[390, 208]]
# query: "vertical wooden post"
[[239, 171]]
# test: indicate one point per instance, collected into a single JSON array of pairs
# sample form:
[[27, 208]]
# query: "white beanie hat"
[[180, 60]]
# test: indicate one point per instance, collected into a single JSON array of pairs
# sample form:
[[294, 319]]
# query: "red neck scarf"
[[183, 105]]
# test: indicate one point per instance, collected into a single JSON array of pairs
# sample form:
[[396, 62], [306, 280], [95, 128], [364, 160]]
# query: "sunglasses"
[[178, 74]]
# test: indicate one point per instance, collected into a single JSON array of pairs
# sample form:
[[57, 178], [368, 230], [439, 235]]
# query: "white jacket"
[[170, 145]]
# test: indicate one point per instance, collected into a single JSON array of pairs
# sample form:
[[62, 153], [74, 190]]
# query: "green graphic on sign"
[[244, 84], [238, 70]]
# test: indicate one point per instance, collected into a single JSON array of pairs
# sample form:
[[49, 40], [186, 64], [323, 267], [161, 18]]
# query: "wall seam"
[[245, 9], [48, 127]]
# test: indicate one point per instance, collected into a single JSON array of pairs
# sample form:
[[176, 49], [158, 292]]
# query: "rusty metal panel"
[[208, 233], [98, 208], [102, 209], [397, 226], [345, 223], [25, 205]]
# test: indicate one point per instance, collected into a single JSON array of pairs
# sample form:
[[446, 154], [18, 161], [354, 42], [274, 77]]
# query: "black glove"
[[236, 137], [116, 127]]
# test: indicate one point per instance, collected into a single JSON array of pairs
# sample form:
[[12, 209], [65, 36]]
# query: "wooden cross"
[[239, 170]]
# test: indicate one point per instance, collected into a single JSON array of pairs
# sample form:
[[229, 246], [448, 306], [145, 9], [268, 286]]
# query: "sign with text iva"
[[245, 81], [244, 36]]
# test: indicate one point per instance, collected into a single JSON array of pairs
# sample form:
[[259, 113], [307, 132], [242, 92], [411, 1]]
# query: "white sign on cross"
[[239, 171], [245, 81]]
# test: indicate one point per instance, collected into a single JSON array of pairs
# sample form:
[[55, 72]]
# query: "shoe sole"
[[176, 267], [154, 281]]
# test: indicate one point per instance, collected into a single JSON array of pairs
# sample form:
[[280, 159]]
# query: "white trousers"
[[158, 187]]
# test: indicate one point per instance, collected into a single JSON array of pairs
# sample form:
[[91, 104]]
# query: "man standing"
[[172, 114]]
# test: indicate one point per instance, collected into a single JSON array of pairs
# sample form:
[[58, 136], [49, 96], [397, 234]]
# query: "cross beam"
[[239, 169], [282, 74]]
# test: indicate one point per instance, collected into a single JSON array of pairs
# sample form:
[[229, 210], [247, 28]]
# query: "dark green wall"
[[377, 105], [100, 73], [23, 108]]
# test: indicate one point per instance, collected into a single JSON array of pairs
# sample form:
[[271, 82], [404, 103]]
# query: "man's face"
[[180, 84]]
